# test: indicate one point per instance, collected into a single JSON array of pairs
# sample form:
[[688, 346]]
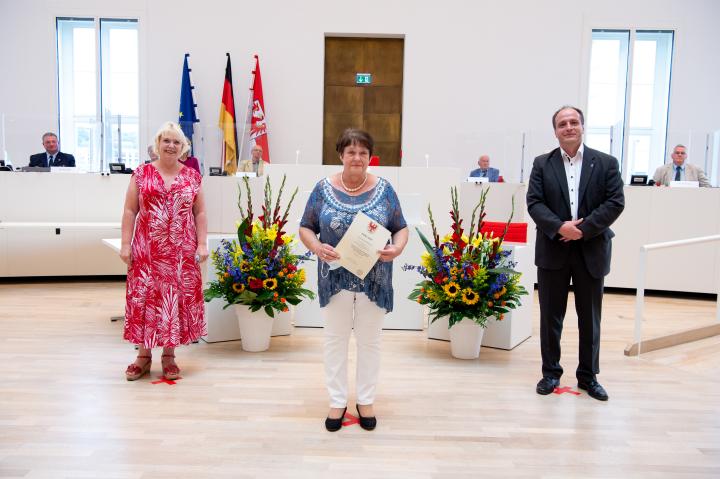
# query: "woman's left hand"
[[201, 254], [389, 253]]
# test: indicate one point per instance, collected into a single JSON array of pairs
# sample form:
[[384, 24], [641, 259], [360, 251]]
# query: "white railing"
[[640, 298]]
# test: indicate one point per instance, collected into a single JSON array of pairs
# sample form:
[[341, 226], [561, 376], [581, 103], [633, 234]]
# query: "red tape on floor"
[[566, 389], [163, 379], [350, 420]]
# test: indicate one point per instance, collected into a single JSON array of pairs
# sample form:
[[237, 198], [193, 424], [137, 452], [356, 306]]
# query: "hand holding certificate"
[[358, 248]]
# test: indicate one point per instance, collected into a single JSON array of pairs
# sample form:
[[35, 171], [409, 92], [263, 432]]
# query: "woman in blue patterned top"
[[346, 301]]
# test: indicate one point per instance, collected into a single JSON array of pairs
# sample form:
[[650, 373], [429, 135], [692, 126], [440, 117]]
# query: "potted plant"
[[468, 278], [258, 274]]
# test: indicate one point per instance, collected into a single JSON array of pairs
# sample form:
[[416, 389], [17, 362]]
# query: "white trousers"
[[347, 311]]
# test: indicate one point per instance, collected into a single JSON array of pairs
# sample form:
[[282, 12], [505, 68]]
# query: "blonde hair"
[[174, 129]]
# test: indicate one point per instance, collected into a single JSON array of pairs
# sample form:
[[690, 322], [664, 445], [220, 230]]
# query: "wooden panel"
[[383, 100], [344, 99], [337, 123], [330, 156], [344, 57], [389, 153], [673, 339], [376, 108], [384, 59], [383, 127]]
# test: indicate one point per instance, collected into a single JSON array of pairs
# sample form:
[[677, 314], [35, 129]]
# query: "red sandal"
[[171, 371], [135, 372]]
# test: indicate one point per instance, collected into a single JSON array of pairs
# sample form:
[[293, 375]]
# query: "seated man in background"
[[678, 170], [255, 163], [52, 155], [492, 174]]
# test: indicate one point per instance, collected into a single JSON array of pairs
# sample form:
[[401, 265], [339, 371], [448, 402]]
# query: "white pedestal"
[[517, 325], [406, 314], [222, 324]]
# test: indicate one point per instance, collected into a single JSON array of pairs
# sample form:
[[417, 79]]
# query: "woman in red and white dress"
[[164, 238]]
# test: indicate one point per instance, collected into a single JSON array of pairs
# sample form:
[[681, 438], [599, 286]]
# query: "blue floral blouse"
[[330, 212]]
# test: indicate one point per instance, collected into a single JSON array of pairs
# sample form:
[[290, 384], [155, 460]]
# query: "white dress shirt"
[[573, 168]]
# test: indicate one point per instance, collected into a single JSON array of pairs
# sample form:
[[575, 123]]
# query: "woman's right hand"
[[327, 253], [126, 254]]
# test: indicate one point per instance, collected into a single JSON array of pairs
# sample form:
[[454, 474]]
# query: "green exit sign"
[[363, 78]]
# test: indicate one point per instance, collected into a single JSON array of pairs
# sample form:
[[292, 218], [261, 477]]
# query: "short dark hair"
[[565, 107], [49, 133], [354, 136]]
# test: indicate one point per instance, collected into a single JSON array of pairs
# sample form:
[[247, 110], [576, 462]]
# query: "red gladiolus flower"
[[291, 268], [439, 278], [256, 283]]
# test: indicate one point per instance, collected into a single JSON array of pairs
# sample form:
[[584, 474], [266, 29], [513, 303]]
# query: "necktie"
[[51, 161], [677, 173]]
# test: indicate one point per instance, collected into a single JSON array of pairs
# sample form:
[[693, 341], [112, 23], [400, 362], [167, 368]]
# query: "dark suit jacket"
[[66, 159], [493, 174], [601, 200]]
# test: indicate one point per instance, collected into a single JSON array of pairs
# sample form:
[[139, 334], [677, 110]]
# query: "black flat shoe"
[[594, 390], [333, 425], [367, 423], [547, 385]]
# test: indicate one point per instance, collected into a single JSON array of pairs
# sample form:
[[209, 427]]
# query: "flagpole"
[[247, 109]]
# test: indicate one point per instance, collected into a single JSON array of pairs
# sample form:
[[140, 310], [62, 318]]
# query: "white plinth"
[[517, 325], [222, 324]]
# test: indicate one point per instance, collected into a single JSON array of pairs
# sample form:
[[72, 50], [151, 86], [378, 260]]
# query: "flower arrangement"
[[467, 274], [259, 269]]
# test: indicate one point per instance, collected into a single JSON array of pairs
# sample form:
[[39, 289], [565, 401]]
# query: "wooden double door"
[[377, 107]]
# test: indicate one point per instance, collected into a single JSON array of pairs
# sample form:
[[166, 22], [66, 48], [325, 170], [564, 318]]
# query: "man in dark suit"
[[52, 156], [574, 195]]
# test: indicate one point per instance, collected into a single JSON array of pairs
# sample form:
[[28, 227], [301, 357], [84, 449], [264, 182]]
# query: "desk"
[[30, 247]]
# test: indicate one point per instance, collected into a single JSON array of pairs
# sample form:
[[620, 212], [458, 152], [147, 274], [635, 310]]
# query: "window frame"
[[98, 161], [633, 29]]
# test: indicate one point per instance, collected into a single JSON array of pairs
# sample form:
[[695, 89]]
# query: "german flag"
[[227, 123]]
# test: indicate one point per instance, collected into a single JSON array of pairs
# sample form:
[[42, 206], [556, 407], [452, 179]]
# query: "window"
[[628, 96], [98, 84]]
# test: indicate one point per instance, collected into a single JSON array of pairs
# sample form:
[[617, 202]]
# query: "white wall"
[[477, 73]]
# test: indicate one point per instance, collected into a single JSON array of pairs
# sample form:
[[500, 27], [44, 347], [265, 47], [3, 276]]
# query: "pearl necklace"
[[352, 190]]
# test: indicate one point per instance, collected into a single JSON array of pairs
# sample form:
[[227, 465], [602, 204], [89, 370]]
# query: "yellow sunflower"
[[270, 283], [453, 271], [238, 287], [245, 266], [427, 260], [451, 289], [469, 296]]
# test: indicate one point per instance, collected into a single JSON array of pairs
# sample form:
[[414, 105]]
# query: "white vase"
[[255, 328], [283, 323], [465, 339]]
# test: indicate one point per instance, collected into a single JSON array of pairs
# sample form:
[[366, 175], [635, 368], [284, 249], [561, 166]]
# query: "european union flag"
[[187, 104]]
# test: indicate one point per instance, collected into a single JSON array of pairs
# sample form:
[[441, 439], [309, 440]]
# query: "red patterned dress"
[[164, 288]]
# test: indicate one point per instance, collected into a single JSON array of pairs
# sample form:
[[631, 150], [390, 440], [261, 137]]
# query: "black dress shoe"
[[367, 423], [333, 425], [594, 390], [547, 385]]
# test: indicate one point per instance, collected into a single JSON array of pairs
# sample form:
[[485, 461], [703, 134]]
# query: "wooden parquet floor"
[[66, 410]]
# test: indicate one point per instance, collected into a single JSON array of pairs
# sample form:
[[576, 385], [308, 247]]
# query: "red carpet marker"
[[350, 420], [162, 379], [566, 389]]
